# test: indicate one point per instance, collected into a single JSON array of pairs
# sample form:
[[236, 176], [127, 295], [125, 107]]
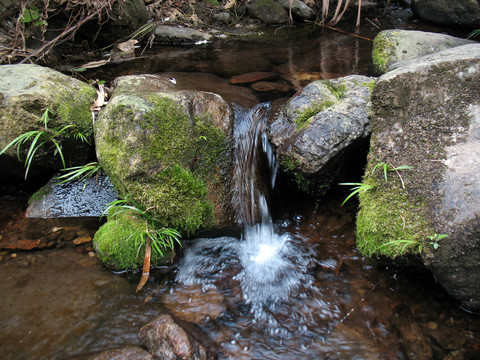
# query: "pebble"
[[91, 254]]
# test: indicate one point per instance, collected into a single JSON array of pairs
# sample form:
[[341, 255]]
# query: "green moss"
[[41, 193], [303, 118], [115, 244], [383, 50], [168, 162], [389, 222], [177, 199], [313, 186], [338, 90], [76, 110]]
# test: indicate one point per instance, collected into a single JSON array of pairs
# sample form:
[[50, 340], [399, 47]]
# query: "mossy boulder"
[[26, 91], [391, 46], [426, 114], [319, 132], [118, 247], [170, 150]]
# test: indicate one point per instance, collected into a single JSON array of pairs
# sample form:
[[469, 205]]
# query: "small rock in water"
[[82, 240]]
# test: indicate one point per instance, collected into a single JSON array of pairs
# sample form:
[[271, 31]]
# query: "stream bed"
[[61, 302]]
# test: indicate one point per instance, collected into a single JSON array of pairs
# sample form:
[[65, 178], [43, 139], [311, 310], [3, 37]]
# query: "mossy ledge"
[[377, 234]]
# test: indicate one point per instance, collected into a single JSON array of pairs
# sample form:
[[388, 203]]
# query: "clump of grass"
[[40, 138], [150, 237]]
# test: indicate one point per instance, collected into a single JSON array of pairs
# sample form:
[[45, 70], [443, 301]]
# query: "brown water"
[[59, 301], [56, 303]]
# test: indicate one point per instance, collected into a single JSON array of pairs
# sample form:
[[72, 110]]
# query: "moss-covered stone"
[[25, 101], [171, 161], [117, 247], [383, 51], [390, 222]]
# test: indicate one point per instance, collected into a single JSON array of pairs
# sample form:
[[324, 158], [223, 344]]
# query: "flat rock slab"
[[87, 198], [252, 77], [267, 86]]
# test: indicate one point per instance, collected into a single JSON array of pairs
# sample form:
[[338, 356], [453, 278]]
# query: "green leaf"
[[30, 14]]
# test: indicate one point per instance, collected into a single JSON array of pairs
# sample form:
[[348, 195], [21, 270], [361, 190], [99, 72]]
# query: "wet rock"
[[426, 113], [448, 337], [169, 149], [268, 11], [391, 46], [299, 9], [123, 353], [87, 198], [251, 77], [320, 124], [234, 63], [272, 87], [194, 305], [167, 340], [465, 13], [26, 91], [166, 34], [414, 344]]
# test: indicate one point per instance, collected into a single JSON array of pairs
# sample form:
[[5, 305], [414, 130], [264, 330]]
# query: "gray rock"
[[299, 9], [320, 124], [26, 91], [223, 17], [268, 11], [464, 13], [87, 198], [166, 34], [391, 46], [427, 115]]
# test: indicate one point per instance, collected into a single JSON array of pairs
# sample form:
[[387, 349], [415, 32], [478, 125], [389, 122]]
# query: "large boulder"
[[391, 46], [464, 13], [169, 150], [318, 132], [426, 114], [26, 92]]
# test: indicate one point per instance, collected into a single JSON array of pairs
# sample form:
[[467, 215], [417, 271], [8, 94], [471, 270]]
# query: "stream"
[[316, 298]]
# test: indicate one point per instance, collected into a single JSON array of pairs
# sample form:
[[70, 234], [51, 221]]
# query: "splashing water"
[[269, 268]]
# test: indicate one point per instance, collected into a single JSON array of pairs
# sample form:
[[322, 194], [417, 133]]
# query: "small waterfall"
[[250, 139], [269, 268]]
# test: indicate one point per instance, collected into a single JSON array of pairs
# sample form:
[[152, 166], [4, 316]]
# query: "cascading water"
[[269, 268]]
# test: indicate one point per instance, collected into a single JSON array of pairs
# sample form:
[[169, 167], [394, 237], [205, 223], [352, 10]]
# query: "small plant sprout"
[[387, 168], [435, 238], [401, 245], [79, 173], [357, 188]]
